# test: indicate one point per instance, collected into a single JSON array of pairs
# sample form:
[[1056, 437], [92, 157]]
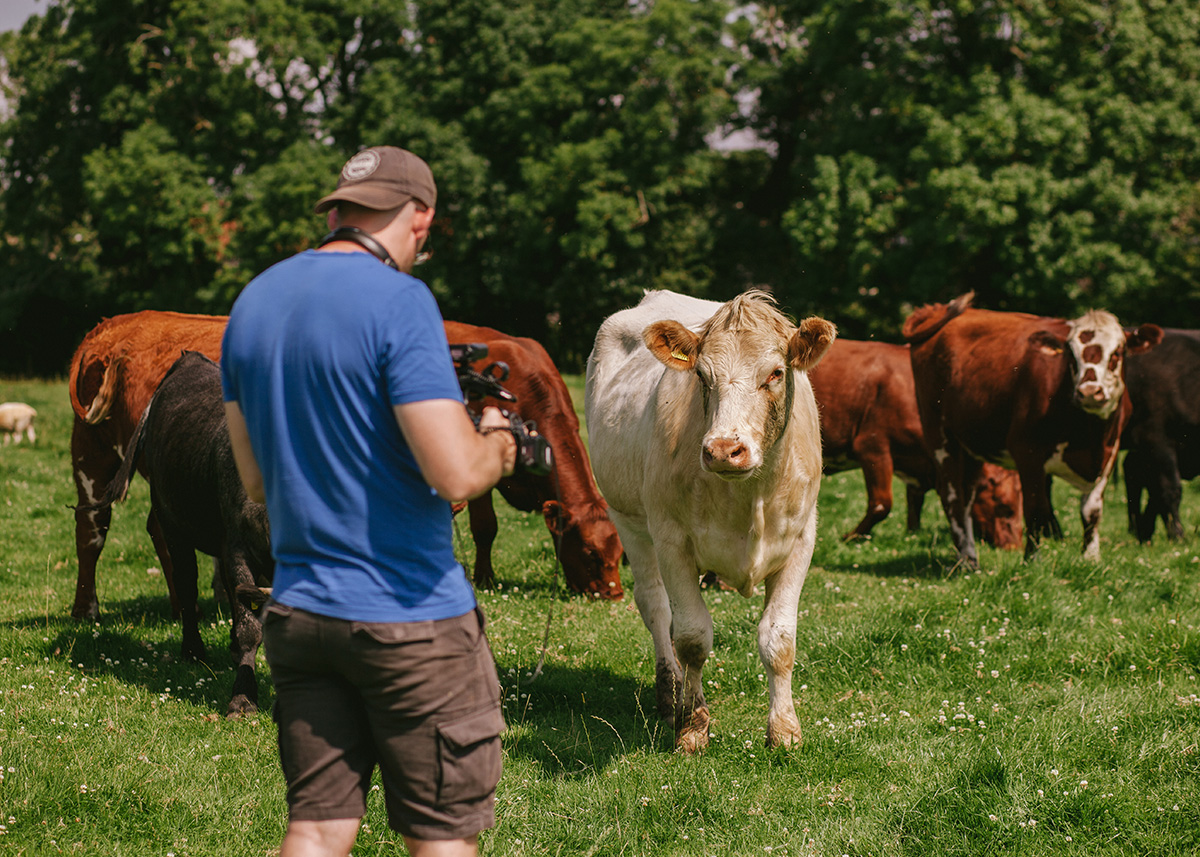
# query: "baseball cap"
[[381, 178]]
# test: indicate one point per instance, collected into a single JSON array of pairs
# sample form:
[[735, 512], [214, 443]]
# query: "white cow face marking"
[[1097, 345]]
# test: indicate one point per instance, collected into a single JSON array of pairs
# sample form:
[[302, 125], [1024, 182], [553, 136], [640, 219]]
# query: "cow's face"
[[743, 359], [588, 548], [1098, 346]]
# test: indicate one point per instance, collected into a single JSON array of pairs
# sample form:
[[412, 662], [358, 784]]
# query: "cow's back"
[[541, 394], [868, 387], [120, 363], [621, 395], [996, 371], [1166, 411], [187, 453]]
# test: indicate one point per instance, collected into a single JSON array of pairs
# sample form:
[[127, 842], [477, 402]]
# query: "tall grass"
[[1042, 708]]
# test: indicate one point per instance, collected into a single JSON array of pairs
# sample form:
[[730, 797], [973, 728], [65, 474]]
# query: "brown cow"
[[587, 541], [121, 362], [1043, 395], [869, 419], [114, 373]]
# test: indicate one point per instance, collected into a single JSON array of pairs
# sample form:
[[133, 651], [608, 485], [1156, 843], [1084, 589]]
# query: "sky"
[[13, 13]]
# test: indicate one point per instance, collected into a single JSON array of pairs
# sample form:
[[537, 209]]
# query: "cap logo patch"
[[361, 166]]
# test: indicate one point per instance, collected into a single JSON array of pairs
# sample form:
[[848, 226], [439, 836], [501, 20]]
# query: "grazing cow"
[[114, 372], [121, 361], [576, 514], [1162, 437], [16, 421], [706, 443], [1043, 395], [869, 419], [182, 443]]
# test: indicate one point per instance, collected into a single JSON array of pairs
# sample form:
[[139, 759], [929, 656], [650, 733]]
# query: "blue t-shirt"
[[318, 350]]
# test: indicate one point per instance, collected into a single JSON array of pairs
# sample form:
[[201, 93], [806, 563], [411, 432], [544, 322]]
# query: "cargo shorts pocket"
[[469, 757]]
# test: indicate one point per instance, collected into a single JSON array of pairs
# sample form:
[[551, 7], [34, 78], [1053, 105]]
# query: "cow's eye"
[[775, 375]]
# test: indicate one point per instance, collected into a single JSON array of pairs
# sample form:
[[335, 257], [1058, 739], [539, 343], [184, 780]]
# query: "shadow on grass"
[[572, 721], [567, 721], [137, 642]]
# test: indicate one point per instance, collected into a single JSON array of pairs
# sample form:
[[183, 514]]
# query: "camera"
[[534, 455]]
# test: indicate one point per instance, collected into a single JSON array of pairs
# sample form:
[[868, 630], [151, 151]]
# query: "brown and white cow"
[[706, 443], [114, 372], [869, 419], [575, 512], [1042, 395]]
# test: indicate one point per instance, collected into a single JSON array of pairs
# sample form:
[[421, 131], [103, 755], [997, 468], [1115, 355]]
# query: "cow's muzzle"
[[728, 458], [1094, 400]]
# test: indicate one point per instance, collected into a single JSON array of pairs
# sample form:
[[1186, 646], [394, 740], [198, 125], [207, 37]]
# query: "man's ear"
[[423, 221], [331, 218]]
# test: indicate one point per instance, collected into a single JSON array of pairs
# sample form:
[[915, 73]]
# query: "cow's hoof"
[[86, 614], [240, 706], [693, 737], [785, 733]]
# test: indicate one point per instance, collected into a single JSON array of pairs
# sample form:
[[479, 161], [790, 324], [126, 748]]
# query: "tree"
[[1043, 154], [164, 151]]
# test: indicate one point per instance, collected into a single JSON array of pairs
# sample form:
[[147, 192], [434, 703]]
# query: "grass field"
[[1028, 709]]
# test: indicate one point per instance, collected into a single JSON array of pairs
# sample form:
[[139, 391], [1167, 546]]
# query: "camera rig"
[[534, 454]]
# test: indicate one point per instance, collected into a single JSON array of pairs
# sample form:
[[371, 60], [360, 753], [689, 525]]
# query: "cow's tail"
[[119, 486], [927, 320], [98, 408]]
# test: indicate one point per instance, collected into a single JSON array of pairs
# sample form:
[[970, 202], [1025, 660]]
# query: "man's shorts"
[[419, 699]]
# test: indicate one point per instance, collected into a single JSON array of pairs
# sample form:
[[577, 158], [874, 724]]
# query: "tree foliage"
[[159, 153], [1041, 153]]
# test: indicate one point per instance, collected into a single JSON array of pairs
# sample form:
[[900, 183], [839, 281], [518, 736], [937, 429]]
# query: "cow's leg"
[[245, 636], [1091, 507], [187, 585], [1164, 492], [482, 516], [914, 496], [1035, 499], [877, 473], [957, 475], [1136, 468], [650, 595], [164, 559], [777, 639], [93, 470], [691, 639], [1052, 527]]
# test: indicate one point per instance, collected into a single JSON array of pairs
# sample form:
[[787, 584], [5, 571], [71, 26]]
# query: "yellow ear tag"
[[679, 355]]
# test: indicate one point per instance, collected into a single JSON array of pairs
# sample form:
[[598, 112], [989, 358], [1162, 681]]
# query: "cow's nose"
[[725, 451]]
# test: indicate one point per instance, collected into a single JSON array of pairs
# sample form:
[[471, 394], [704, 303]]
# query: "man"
[[347, 420]]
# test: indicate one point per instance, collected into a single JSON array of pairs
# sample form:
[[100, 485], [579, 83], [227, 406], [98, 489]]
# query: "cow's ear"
[[810, 342], [555, 517], [673, 344], [1046, 342], [1143, 339]]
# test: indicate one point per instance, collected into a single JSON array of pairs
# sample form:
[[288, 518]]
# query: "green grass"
[[1044, 708]]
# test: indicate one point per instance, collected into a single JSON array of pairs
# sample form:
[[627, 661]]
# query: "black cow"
[[1162, 437], [201, 505]]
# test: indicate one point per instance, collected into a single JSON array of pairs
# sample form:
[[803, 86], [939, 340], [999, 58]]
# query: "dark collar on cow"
[[363, 239]]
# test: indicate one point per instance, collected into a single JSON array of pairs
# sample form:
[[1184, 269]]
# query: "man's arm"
[[243, 455], [458, 462]]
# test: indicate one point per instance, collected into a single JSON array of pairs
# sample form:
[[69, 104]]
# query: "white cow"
[[705, 441], [16, 419]]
